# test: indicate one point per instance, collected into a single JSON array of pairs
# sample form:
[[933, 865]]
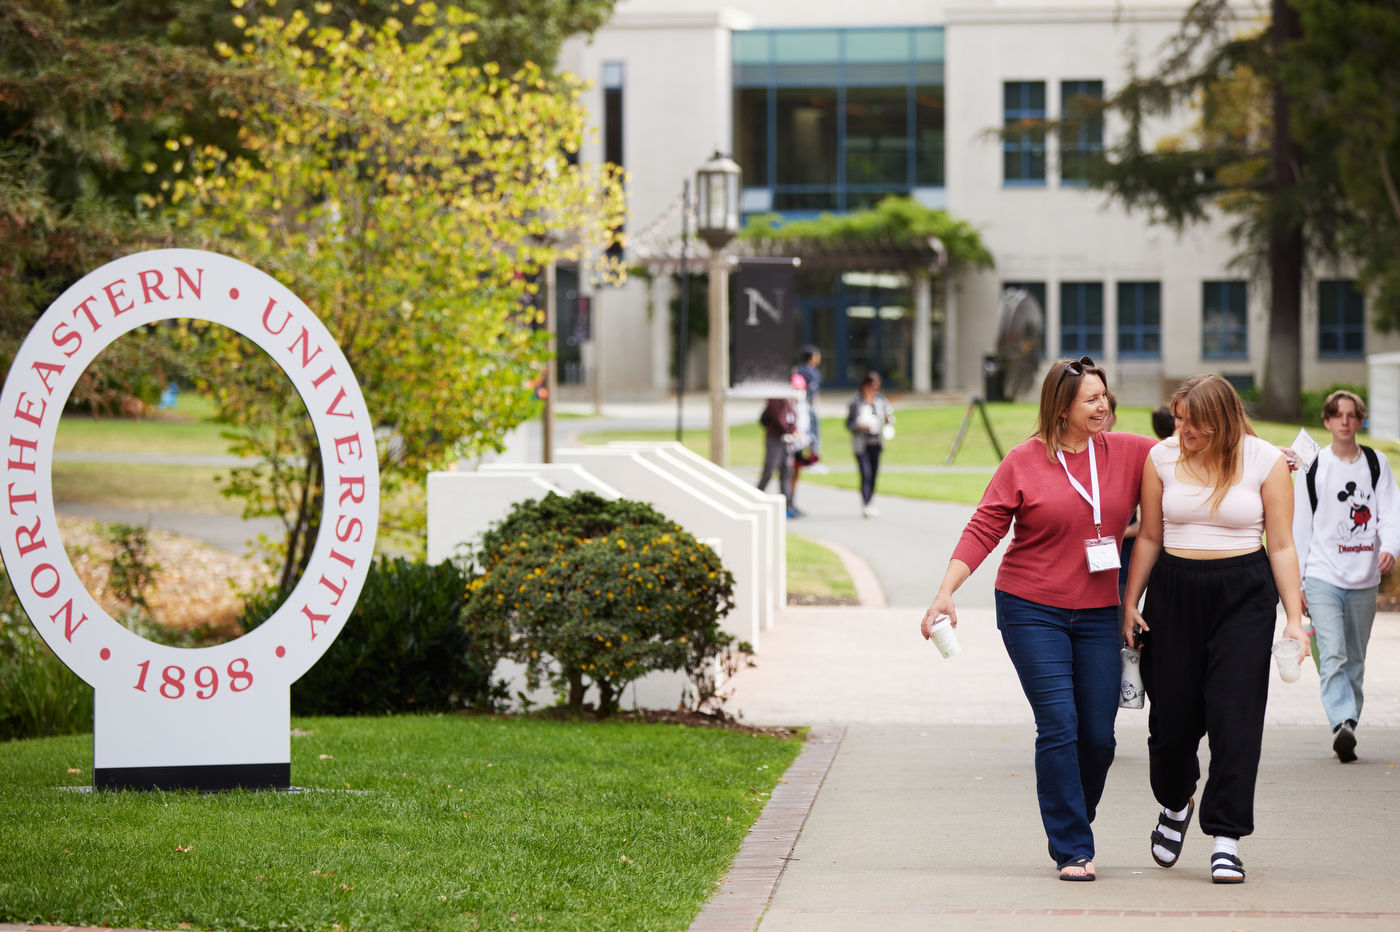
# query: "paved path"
[[908, 545], [929, 807], [227, 532]]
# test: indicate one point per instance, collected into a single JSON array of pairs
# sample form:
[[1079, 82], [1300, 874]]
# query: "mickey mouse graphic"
[[1360, 502]]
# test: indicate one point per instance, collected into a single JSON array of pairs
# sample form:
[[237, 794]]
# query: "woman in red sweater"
[[1071, 489]]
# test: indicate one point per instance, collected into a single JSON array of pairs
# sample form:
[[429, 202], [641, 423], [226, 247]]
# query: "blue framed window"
[[1139, 320], [1341, 320], [1081, 318], [837, 119], [1081, 110], [1037, 290], [1023, 154], [1225, 320]]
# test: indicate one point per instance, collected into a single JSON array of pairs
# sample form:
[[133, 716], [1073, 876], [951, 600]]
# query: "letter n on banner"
[[764, 323]]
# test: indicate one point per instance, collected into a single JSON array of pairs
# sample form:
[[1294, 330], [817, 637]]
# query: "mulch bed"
[[197, 585], [682, 716], [807, 598]]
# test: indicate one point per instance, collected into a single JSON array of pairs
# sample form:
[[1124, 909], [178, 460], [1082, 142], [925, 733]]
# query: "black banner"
[[763, 325]]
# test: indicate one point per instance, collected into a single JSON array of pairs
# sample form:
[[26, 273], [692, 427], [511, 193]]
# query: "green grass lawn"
[[960, 488], [923, 437], [189, 433], [458, 823], [814, 570], [137, 485]]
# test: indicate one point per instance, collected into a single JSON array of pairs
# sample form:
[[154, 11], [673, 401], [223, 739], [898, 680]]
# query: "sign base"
[[206, 778]]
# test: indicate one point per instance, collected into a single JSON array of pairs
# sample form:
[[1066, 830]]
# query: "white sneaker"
[[817, 469], [867, 512], [871, 511]]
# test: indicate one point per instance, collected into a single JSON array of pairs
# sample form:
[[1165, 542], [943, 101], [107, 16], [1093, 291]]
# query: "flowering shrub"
[[591, 592]]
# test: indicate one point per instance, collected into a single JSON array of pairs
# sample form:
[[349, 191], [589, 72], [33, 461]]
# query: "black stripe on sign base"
[[210, 778]]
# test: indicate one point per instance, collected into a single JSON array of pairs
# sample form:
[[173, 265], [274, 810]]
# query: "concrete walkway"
[[908, 545], [227, 532], [928, 817]]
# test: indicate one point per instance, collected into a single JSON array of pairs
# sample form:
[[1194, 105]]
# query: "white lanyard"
[[1093, 483]]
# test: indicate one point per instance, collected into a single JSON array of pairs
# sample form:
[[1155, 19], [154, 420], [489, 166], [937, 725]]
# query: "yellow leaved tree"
[[412, 201]]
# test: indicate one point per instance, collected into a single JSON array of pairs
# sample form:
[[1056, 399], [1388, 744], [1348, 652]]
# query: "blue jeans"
[[1342, 619], [1069, 664]]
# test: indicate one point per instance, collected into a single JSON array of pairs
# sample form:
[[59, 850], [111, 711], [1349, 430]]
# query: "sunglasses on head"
[[1075, 368]]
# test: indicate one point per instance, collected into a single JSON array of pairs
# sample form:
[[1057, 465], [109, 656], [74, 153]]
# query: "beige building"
[[830, 106]]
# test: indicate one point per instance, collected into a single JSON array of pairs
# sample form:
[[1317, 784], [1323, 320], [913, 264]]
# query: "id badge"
[[1102, 553]]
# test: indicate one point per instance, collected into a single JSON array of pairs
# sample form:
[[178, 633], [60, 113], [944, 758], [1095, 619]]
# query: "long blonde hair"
[[1058, 392], [1211, 406]]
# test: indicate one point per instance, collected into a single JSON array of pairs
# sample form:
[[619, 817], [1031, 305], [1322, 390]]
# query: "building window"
[[1139, 320], [1081, 318], [614, 74], [1082, 115], [1225, 320], [837, 119], [1037, 291], [1341, 320], [1024, 152]]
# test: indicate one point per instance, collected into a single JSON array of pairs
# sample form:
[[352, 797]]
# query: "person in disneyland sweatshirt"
[[1346, 527]]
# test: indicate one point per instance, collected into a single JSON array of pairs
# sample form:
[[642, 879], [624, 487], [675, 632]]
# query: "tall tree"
[[1241, 157], [412, 202], [104, 101], [1344, 76]]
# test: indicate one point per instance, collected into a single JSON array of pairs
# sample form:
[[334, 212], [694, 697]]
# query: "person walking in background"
[[866, 418], [779, 417], [1210, 495], [1070, 490], [810, 371], [1163, 424], [801, 440], [1346, 527]]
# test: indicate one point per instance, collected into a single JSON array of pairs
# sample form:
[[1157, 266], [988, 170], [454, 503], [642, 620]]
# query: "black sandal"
[[1165, 821], [1223, 860], [1080, 862]]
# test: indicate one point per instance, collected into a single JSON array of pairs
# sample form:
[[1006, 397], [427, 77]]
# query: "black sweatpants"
[[869, 463], [1205, 665]]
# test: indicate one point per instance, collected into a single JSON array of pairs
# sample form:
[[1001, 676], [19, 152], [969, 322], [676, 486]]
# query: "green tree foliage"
[[1242, 156], [412, 202], [84, 106], [586, 591], [1344, 78], [895, 220], [39, 696]]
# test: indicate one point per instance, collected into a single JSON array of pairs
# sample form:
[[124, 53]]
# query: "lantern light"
[[717, 189]]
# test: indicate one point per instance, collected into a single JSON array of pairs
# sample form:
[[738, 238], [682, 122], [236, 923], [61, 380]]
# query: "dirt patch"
[[198, 586], [808, 598], [654, 717]]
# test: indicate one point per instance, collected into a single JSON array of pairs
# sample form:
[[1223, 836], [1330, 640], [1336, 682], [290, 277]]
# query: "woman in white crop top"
[[1209, 496]]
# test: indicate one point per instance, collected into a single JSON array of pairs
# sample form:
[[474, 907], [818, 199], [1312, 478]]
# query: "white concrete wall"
[[702, 513], [461, 505], [773, 506], [569, 477]]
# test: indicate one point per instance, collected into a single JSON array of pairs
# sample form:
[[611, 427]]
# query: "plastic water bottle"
[[1130, 695]]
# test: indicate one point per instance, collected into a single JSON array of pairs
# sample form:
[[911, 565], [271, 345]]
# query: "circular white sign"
[[166, 683]]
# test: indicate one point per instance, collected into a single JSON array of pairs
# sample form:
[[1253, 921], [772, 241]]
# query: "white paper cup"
[[1286, 654], [944, 637]]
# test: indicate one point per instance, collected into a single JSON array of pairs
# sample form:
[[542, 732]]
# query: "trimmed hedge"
[[403, 649], [584, 591]]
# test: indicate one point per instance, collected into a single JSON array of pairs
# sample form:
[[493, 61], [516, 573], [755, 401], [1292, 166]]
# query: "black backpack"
[[1372, 461]]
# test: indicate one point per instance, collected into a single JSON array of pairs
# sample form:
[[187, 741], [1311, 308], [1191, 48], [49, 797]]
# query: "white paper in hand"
[[1307, 449]]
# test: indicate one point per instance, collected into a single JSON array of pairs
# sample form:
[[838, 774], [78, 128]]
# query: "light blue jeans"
[[1342, 619]]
